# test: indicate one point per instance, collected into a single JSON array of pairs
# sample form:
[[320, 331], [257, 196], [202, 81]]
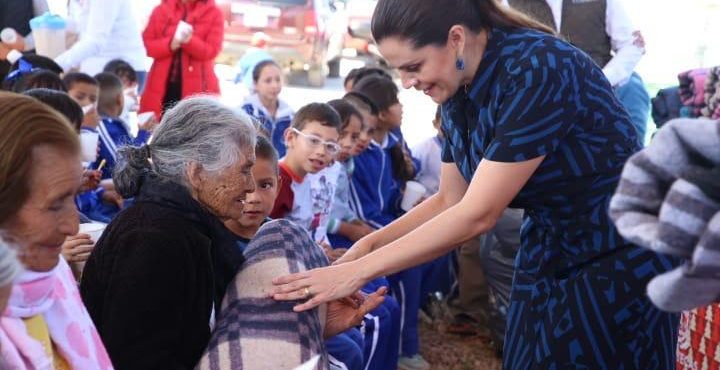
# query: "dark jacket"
[[197, 56], [155, 276]]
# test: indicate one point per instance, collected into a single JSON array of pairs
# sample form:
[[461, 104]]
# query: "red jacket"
[[198, 54]]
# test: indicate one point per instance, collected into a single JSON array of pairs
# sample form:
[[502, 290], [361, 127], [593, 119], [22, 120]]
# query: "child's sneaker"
[[413, 363]]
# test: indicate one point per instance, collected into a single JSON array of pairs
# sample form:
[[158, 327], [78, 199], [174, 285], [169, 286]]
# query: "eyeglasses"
[[314, 141]]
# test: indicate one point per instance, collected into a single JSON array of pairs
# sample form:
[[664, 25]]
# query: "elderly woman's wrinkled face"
[[49, 215], [224, 192]]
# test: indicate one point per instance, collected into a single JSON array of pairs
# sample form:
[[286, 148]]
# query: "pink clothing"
[[55, 296]]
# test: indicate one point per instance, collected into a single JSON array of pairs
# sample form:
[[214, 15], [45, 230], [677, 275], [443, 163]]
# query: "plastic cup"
[[414, 192], [89, 145], [144, 117], [183, 28], [94, 229]]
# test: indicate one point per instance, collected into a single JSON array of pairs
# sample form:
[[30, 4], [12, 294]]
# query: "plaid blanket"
[[668, 200], [254, 332]]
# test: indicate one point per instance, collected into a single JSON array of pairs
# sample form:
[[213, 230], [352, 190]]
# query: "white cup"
[[182, 30], [8, 35], [414, 192], [89, 144], [144, 117], [94, 229]]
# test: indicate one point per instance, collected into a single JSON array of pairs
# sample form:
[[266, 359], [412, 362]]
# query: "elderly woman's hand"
[[345, 313]]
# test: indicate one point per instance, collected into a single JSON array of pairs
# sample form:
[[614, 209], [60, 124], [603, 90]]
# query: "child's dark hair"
[[259, 68], [438, 113], [110, 88], [383, 92], [38, 79], [39, 62], [73, 78], [370, 71], [346, 111], [380, 90], [361, 101], [122, 69], [61, 102], [318, 112], [265, 150]]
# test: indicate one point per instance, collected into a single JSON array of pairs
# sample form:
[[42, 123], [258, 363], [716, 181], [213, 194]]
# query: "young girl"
[[376, 187], [265, 104]]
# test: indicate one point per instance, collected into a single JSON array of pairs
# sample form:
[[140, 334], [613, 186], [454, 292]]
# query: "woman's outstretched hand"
[[320, 285]]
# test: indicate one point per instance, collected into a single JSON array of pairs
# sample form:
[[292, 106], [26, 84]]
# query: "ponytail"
[[132, 167]]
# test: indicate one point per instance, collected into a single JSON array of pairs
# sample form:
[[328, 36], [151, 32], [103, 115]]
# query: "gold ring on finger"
[[307, 291]]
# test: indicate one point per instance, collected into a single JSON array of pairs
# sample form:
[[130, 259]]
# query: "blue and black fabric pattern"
[[578, 298]]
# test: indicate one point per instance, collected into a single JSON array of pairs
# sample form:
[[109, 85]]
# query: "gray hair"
[[9, 266], [198, 129]]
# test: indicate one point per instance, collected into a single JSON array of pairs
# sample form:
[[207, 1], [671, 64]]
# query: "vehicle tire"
[[334, 68]]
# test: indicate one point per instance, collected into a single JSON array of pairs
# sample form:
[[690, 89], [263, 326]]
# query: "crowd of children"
[[337, 169]]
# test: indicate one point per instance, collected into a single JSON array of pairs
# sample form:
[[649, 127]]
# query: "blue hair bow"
[[24, 68]]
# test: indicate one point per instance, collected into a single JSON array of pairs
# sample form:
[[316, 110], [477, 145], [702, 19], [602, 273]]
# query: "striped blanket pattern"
[[668, 200], [254, 332]]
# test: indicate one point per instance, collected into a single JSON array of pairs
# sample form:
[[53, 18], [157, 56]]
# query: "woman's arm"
[[452, 189], [207, 47], [493, 187]]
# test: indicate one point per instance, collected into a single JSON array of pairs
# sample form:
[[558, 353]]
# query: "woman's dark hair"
[[265, 150], [38, 79], [61, 102], [361, 100], [380, 90], [259, 68], [420, 21], [346, 111], [121, 69]]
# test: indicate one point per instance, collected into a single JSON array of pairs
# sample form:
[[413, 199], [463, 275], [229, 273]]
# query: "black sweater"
[[154, 277]]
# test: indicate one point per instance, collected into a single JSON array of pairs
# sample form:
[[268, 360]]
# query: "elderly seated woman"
[[155, 282], [45, 325]]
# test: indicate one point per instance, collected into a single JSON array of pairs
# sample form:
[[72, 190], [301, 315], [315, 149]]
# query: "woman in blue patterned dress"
[[532, 123]]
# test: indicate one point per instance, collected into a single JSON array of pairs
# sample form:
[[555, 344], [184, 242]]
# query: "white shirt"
[[429, 154], [323, 185], [107, 30], [626, 41]]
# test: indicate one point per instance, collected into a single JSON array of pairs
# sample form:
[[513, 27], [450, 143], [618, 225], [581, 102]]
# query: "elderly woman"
[[156, 280], [45, 325]]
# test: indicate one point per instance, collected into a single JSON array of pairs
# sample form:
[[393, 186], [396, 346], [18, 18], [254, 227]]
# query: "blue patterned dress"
[[578, 299]]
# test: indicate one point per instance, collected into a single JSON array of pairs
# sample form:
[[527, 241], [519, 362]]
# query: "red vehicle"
[[297, 33]]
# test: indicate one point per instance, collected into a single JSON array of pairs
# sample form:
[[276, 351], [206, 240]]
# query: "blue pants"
[[636, 100], [381, 330], [405, 287], [345, 350]]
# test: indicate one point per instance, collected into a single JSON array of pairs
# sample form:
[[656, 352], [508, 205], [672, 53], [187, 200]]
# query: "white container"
[[94, 229], [8, 36], [414, 192], [49, 34], [89, 145]]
